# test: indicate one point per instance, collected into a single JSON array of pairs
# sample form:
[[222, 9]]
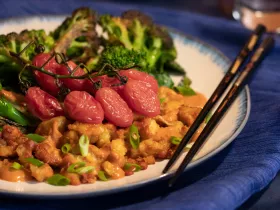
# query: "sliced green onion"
[[16, 166], [79, 168], [34, 161], [58, 180], [72, 168], [175, 140], [35, 137], [184, 87], [102, 176], [84, 144], [208, 117], [84, 170], [66, 148], [161, 100], [186, 91], [189, 145], [127, 166], [134, 137]]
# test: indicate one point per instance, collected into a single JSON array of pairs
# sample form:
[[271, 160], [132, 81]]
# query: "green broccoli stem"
[[139, 40], [124, 37], [154, 54]]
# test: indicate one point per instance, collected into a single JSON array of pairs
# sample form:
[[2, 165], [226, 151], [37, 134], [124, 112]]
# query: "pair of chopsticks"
[[234, 71]]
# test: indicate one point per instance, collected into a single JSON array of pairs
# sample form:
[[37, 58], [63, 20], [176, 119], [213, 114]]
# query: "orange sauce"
[[13, 175], [197, 100]]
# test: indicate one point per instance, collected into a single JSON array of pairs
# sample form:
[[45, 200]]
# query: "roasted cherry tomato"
[[141, 98], [47, 82], [82, 106], [72, 84], [105, 82], [142, 76], [115, 108], [42, 105]]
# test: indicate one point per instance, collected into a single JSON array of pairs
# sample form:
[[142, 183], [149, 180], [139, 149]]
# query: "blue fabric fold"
[[228, 179]]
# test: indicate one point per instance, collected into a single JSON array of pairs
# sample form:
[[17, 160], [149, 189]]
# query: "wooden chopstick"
[[238, 85], [227, 79]]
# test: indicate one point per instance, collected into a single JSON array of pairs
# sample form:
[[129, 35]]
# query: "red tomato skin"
[[115, 108], [72, 84], [141, 98], [45, 81], [142, 76], [42, 105], [105, 81], [82, 107]]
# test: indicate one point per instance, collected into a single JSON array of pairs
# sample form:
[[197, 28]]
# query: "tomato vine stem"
[[60, 58]]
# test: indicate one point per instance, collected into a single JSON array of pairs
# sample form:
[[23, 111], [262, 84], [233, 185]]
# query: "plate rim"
[[227, 140]]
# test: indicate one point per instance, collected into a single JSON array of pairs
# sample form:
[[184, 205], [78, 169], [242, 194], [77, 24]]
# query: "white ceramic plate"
[[205, 65]]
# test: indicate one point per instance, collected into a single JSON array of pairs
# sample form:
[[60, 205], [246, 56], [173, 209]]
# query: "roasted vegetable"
[[120, 57], [164, 80], [7, 110], [14, 43], [77, 37], [184, 87], [135, 30]]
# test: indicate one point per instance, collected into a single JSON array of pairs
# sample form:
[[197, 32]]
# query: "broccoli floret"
[[136, 14], [135, 30], [128, 32], [77, 37], [15, 43], [120, 57]]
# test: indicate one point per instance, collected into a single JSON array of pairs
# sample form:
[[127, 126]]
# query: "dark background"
[[268, 198]]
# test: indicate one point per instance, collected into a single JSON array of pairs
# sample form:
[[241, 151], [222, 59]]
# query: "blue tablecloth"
[[228, 179]]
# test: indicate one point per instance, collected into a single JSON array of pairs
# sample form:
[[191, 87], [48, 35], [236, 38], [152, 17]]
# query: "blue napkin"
[[228, 179]]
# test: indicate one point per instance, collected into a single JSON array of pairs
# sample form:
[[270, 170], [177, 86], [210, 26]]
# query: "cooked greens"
[[137, 31]]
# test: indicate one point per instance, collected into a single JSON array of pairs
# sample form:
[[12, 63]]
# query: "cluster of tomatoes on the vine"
[[89, 105]]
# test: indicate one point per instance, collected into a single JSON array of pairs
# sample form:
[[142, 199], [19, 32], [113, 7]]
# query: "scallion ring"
[[161, 100], [35, 137], [84, 170], [34, 161], [84, 144], [134, 136], [175, 140], [73, 167], [58, 180], [79, 168], [127, 166], [66, 148], [208, 117], [189, 145], [16, 166], [102, 176]]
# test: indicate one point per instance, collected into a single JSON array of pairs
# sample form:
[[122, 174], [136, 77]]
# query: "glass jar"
[[253, 12]]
